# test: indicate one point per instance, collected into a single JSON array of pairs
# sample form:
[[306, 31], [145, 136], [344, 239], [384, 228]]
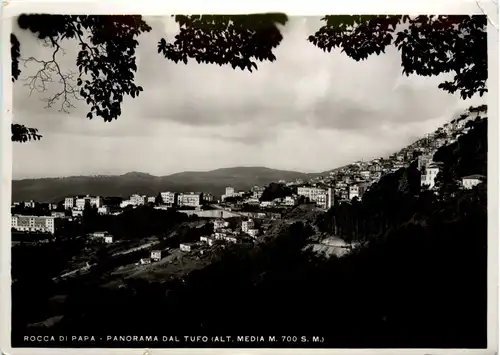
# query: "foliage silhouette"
[[429, 45], [274, 191]]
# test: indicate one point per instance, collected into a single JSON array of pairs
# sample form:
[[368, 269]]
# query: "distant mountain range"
[[214, 182]]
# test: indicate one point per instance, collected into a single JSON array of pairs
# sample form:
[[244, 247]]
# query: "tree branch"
[[45, 75]]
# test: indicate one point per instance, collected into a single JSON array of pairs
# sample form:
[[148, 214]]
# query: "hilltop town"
[[236, 217]]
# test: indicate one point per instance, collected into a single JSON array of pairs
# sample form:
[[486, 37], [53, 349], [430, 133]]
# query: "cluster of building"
[[355, 179], [223, 233], [40, 224], [344, 184], [169, 199]]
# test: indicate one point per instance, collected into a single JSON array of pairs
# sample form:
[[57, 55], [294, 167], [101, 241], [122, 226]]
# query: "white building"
[[206, 239], [230, 238], [323, 198], [357, 190], [76, 212], [80, 202], [191, 199], [246, 225], [365, 174], [208, 197], [151, 199], [108, 239], [138, 200], [468, 182], [290, 201], [103, 210], [187, 246], [29, 204], [429, 176], [253, 232], [169, 198], [43, 224], [69, 203], [156, 255], [257, 192], [220, 223], [56, 214], [229, 191]]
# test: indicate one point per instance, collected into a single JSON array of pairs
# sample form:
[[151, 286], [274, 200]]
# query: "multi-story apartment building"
[[246, 225], [219, 224], [169, 198], [229, 191], [423, 160], [323, 198], [69, 203], [191, 199], [357, 190], [429, 176], [138, 200], [46, 224], [80, 202], [151, 199]]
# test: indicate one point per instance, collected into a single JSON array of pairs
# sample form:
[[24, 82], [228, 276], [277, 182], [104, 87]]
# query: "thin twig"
[[44, 75], [485, 14]]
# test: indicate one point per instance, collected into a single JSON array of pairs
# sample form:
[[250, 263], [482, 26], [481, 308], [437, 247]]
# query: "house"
[[76, 213], [231, 238], [220, 223], [187, 246], [206, 239], [468, 182], [58, 214], [29, 204], [365, 174], [156, 255], [253, 232], [44, 224], [246, 225], [265, 204], [191, 199], [169, 198], [290, 201], [219, 234], [138, 200], [98, 234], [103, 210], [429, 175], [108, 239], [145, 261]]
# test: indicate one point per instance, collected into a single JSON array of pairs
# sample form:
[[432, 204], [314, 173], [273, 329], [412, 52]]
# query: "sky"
[[308, 111]]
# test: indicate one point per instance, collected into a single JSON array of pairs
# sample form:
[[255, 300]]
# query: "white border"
[[304, 8]]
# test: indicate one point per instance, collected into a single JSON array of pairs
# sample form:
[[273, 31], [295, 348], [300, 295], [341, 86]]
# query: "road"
[[131, 250]]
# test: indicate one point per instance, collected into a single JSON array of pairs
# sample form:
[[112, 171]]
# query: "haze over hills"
[[214, 182]]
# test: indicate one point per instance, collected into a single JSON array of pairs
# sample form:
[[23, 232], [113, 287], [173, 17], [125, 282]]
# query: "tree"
[[274, 191], [429, 45], [107, 64]]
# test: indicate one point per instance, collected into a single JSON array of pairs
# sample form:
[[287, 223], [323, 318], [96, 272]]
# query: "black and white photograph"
[[253, 180]]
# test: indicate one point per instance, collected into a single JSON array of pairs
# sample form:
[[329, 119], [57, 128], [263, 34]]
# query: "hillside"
[[214, 182]]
